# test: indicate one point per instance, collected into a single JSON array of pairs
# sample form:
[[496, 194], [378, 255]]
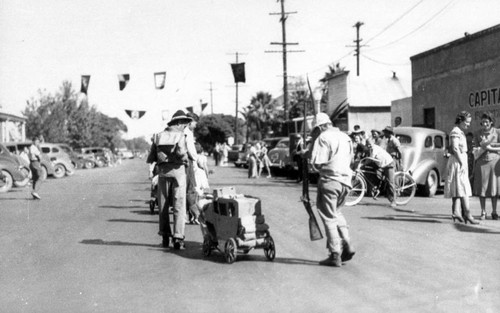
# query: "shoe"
[[393, 204], [35, 195], [179, 244], [268, 176], [333, 260], [195, 221], [470, 219], [457, 217], [494, 216], [347, 251], [483, 216]]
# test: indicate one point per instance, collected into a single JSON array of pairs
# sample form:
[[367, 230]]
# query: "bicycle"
[[405, 186]]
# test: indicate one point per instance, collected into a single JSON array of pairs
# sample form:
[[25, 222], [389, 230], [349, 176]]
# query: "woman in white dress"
[[457, 185]]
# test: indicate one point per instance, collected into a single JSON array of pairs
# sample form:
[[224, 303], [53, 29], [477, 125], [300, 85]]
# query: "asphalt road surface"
[[90, 245]]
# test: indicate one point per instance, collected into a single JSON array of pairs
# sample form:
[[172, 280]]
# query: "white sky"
[[44, 42]]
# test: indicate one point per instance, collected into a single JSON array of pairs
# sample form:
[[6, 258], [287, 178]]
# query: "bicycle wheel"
[[358, 190], [405, 187]]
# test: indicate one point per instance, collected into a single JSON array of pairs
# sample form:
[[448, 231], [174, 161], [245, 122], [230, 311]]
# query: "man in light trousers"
[[331, 156]]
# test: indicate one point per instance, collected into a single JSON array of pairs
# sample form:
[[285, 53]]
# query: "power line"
[[416, 29], [395, 21], [384, 63]]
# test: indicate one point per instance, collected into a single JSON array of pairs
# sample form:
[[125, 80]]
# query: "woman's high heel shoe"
[[470, 219], [457, 217]]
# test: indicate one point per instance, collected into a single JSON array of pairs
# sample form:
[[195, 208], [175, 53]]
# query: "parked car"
[[45, 162], [97, 153], [11, 171], [234, 153], [280, 155], [62, 162], [127, 154], [75, 159], [272, 142], [424, 154], [242, 159]]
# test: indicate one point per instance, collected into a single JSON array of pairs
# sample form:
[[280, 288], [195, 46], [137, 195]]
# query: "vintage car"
[[424, 154], [47, 165], [242, 158], [280, 155], [77, 161], [12, 171], [97, 154], [62, 162]]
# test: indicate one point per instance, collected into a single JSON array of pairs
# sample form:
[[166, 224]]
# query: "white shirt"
[[381, 155]]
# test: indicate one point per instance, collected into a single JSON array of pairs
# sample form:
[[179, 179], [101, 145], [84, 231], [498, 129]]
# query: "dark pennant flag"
[[238, 72]]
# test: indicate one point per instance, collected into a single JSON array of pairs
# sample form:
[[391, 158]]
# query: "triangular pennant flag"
[[160, 79], [238, 72], [85, 84], [134, 114], [123, 80], [204, 105], [190, 109]]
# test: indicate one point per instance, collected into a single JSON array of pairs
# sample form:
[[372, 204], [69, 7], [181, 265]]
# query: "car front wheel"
[[59, 171], [431, 184], [6, 181]]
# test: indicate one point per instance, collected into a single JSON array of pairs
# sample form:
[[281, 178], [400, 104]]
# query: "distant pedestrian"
[[35, 167], [217, 153]]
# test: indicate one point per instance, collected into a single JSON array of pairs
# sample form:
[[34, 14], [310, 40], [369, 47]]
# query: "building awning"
[[11, 117]]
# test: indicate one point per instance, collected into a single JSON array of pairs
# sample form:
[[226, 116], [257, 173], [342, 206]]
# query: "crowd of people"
[[182, 170], [381, 150], [258, 160]]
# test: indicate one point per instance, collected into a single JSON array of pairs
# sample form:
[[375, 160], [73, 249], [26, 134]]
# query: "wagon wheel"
[[230, 250], [270, 249], [207, 246]]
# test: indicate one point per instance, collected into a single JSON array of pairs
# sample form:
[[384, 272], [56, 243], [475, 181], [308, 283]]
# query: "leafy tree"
[[59, 118], [215, 128]]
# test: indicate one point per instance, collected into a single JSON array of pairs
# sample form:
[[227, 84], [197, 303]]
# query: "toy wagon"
[[236, 221]]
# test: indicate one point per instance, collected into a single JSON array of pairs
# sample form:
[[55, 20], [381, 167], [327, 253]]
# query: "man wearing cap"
[[331, 156], [169, 151], [393, 146]]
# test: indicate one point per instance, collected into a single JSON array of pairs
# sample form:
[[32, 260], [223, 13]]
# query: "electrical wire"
[[384, 63], [416, 29], [395, 21]]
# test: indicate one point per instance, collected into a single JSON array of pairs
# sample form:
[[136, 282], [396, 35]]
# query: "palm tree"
[[259, 114]]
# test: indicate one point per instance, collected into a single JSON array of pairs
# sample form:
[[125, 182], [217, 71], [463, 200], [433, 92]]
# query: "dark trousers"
[[36, 174]]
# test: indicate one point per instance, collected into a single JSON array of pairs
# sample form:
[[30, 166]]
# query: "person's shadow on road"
[[193, 251]]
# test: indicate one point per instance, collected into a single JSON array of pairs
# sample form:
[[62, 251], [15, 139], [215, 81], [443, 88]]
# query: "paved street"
[[90, 245]]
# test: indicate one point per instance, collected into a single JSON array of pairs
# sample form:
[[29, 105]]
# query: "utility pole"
[[236, 111], [357, 41], [284, 44], [211, 100]]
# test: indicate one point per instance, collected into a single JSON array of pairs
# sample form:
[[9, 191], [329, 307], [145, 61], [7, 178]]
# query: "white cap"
[[321, 118]]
